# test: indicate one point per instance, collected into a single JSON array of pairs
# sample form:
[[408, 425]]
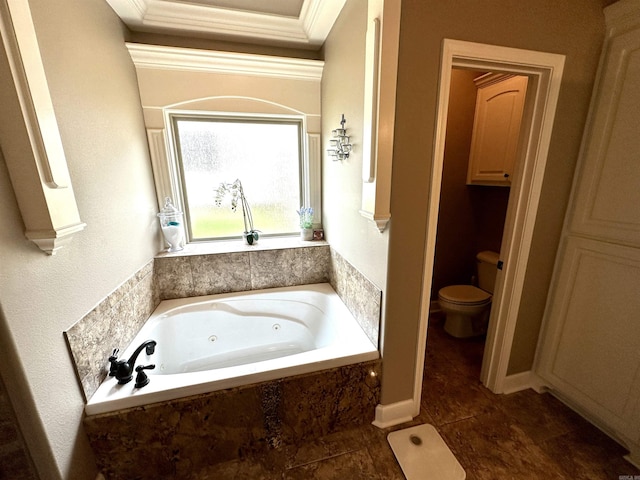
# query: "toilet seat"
[[464, 295]]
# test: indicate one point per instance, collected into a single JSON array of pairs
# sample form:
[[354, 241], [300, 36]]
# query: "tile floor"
[[519, 436]]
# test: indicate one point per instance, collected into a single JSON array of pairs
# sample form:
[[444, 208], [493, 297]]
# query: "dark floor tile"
[[490, 447], [356, 465], [244, 469], [383, 459], [541, 416], [464, 355], [586, 453], [452, 397], [435, 359], [325, 447], [423, 417]]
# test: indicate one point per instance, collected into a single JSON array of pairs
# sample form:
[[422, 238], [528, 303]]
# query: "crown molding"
[[309, 29], [178, 58]]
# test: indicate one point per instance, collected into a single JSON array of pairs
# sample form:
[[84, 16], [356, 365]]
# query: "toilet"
[[467, 307]]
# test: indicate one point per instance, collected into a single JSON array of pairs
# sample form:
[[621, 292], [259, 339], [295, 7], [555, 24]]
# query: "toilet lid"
[[466, 294]]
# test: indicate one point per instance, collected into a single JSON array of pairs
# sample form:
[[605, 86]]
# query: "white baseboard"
[[394, 414], [522, 381]]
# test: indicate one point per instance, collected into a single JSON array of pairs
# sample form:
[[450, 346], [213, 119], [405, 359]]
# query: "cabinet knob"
[[506, 175]]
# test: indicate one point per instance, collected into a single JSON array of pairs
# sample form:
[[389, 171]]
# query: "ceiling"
[[293, 23], [286, 8]]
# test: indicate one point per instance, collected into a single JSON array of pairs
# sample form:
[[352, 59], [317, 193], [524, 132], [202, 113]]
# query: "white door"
[[590, 344]]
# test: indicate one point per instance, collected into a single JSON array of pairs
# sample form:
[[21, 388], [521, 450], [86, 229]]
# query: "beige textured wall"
[[574, 28], [455, 241], [96, 101], [354, 237], [161, 88], [471, 217]]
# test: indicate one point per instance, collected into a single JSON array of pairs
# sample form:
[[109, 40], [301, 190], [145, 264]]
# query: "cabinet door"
[[496, 131], [591, 348], [608, 194]]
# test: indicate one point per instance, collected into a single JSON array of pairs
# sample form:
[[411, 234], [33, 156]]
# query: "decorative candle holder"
[[171, 223], [340, 146]]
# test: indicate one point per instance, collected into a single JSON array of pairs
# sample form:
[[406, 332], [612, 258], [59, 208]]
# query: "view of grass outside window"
[[264, 154]]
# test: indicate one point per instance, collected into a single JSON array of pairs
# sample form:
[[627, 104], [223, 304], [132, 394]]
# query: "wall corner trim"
[[52, 240], [381, 220], [32, 145], [381, 68]]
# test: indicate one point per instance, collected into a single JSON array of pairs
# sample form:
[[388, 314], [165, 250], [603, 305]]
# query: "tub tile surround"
[[177, 438], [196, 275], [196, 272], [117, 318], [284, 268], [359, 294], [181, 276]]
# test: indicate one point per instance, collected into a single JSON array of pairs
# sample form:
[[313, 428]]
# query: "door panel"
[[592, 352], [608, 193]]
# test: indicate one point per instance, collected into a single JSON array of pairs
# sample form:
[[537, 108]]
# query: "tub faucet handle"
[[113, 359], [141, 377], [123, 369]]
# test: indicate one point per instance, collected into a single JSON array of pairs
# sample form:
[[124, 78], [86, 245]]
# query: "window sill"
[[234, 246]]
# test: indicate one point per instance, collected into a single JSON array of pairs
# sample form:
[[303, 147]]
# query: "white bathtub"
[[228, 340]]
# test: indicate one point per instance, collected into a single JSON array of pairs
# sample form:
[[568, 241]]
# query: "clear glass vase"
[[172, 225]]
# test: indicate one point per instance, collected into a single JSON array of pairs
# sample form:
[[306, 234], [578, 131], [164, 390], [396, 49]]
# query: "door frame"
[[545, 74]]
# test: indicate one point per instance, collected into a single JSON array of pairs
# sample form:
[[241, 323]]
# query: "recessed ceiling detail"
[[299, 23], [286, 8]]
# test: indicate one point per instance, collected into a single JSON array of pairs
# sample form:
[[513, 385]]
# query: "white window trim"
[[165, 172], [167, 179], [164, 158]]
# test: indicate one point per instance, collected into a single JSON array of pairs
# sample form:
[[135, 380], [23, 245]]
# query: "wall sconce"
[[340, 146]]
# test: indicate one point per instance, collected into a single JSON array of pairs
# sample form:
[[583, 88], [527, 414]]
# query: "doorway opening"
[[544, 73], [483, 128]]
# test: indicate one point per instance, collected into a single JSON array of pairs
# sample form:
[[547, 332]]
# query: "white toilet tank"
[[487, 269]]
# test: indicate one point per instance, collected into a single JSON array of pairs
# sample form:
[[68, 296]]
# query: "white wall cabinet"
[[496, 128], [590, 346]]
